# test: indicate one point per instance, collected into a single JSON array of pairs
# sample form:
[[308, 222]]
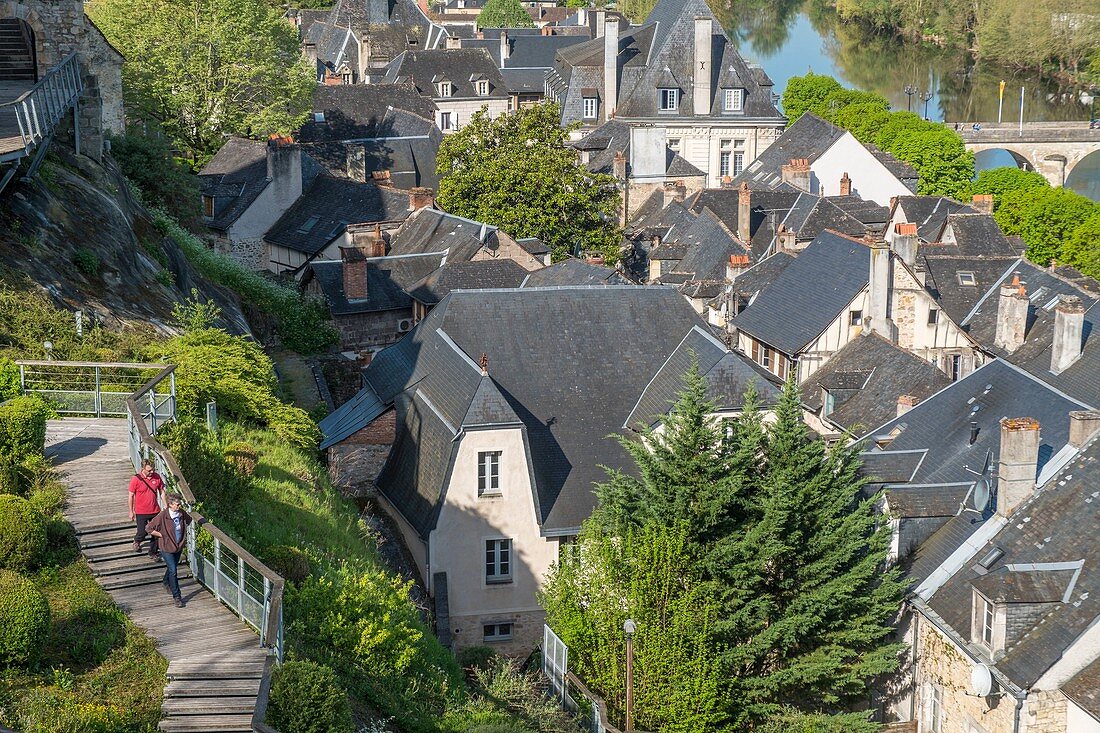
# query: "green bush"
[[9, 379], [24, 620], [242, 456], [163, 180], [87, 261], [22, 534], [289, 562], [23, 428], [11, 478], [200, 452], [306, 698], [474, 658]]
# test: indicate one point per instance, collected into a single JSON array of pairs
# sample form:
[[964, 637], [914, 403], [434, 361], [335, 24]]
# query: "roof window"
[[668, 99], [308, 225], [966, 277], [318, 116]]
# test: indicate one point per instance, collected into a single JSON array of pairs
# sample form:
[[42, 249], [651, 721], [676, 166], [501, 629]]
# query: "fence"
[[99, 389], [590, 708], [38, 111]]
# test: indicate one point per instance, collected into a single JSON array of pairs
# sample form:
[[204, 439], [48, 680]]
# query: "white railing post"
[[217, 568], [98, 399], [240, 586], [153, 411], [266, 611]]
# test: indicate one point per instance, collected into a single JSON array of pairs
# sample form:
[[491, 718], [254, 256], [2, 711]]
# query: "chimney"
[[1083, 425], [357, 163], [905, 243], [785, 240], [618, 167], [1069, 324], [879, 283], [906, 402], [367, 239], [1017, 462], [736, 265], [1011, 315], [701, 76], [505, 47], [744, 213], [546, 30], [600, 16], [674, 191], [845, 185], [284, 170], [797, 173], [452, 42], [355, 273], [610, 67], [381, 178], [983, 202], [421, 198]]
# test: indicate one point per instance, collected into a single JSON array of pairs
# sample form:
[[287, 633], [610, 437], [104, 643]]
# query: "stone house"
[[497, 439], [459, 81]]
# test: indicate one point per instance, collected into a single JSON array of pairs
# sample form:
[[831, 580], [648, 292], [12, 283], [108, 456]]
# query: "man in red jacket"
[[145, 487], [170, 529]]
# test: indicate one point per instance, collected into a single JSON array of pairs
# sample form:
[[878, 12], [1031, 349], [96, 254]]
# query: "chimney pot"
[[1069, 331], [1017, 463], [1083, 425], [797, 173], [845, 185], [905, 243], [906, 402], [785, 239]]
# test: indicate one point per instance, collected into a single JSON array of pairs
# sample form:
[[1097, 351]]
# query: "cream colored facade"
[[462, 109], [702, 145]]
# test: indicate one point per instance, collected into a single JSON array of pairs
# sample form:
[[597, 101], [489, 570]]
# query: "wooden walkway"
[[10, 140], [215, 661]]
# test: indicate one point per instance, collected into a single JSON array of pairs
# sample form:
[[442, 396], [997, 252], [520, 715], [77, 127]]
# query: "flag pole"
[[1000, 101], [1021, 111]]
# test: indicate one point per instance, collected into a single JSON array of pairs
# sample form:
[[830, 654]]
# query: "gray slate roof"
[[388, 280], [390, 26], [350, 416], [460, 66], [809, 137], [574, 272], [1084, 689], [356, 111], [929, 213], [473, 275]]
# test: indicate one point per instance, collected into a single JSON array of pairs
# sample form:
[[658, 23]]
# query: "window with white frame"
[[933, 316], [935, 708], [318, 116], [674, 144], [498, 561], [591, 105], [483, 88], [734, 100], [488, 473], [855, 318], [725, 164], [987, 615], [668, 99], [446, 121], [738, 163], [496, 632], [829, 403], [444, 88]]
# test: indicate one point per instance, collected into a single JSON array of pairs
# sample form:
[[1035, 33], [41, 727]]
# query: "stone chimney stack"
[[1069, 325], [284, 170], [797, 173], [355, 273], [618, 166], [906, 402], [421, 198], [610, 67], [736, 265], [983, 202], [1083, 425], [674, 191], [367, 238], [879, 282], [744, 213], [600, 28], [452, 42], [505, 47], [1017, 463], [701, 76], [1011, 316], [785, 240], [357, 163], [845, 185], [905, 243]]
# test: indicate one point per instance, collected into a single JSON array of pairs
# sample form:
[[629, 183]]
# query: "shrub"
[[475, 658], [22, 534], [9, 379], [289, 562], [201, 454], [306, 698], [24, 620], [163, 180], [11, 479], [23, 428], [242, 457], [87, 261]]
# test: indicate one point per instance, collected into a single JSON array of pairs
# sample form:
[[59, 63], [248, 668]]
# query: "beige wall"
[[463, 109], [700, 144], [466, 521], [1079, 721]]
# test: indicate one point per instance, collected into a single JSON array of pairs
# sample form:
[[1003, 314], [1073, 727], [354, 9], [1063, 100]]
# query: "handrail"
[[39, 109], [596, 700]]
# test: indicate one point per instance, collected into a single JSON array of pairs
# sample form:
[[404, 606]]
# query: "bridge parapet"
[[1045, 132]]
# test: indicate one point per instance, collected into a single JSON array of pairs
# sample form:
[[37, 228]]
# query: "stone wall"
[[467, 631], [250, 252], [362, 331]]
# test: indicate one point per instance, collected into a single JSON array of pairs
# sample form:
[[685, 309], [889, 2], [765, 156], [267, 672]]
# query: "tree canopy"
[[516, 172], [1048, 220], [206, 69], [1002, 181], [758, 535], [504, 14]]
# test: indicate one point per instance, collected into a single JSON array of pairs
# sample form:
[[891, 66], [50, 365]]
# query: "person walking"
[[170, 529], [146, 487]]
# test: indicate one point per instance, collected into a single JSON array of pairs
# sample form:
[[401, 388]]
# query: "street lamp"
[[629, 627], [909, 90], [924, 97]]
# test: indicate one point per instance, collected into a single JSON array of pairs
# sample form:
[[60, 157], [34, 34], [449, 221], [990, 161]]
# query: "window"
[[496, 632], [729, 426], [308, 225], [766, 358], [445, 122], [954, 366], [987, 621], [855, 318], [318, 116], [738, 163], [590, 107], [346, 78], [488, 473], [935, 708], [828, 404], [208, 207], [724, 164], [734, 100], [498, 561], [444, 88], [674, 144], [483, 88], [967, 278], [933, 316], [669, 99]]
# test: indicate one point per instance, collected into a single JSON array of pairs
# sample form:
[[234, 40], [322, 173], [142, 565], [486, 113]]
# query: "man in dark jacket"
[[170, 529]]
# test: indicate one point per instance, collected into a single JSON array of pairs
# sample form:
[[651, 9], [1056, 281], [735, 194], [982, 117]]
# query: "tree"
[[1001, 181], [504, 14], [945, 166], [862, 120], [205, 69], [1045, 218], [1082, 248], [516, 172], [804, 93]]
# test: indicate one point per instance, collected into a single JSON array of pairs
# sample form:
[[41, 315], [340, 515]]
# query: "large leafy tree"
[[205, 69], [516, 172], [786, 543], [1046, 218], [1001, 181], [504, 14]]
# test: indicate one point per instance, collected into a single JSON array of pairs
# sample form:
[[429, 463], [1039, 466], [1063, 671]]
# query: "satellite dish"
[[981, 680], [979, 498]]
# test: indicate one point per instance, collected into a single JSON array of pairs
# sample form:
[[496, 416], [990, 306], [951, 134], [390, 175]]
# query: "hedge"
[[306, 698], [24, 620], [22, 534], [22, 428]]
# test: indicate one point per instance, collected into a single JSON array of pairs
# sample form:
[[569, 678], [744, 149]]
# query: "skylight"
[[308, 225], [967, 278]]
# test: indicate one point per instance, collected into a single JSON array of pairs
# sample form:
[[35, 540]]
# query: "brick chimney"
[[1069, 325], [845, 185], [906, 402], [701, 79], [879, 283], [797, 173], [1011, 315], [355, 273], [744, 213], [905, 243], [736, 265], [381, 178], [785, 240], [368, 239], [1083, 425], [618, 166], [1017, 463], [610, 67], [983, 202], [421, 198]]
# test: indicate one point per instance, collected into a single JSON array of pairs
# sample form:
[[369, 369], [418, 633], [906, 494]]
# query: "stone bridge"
[[1051, 148]]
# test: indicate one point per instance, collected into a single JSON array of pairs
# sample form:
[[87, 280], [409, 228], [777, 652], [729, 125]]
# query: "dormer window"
[[984, 622], [208, 207], [318, 116], [483, 88], [444, 89], [591, 106], [733, 100], [668, 99]]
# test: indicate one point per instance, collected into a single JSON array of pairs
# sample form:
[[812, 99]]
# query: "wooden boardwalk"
[[215, 661], [10, 140]]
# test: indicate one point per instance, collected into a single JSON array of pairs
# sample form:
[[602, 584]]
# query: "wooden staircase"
[[214, 692], [109, 550]]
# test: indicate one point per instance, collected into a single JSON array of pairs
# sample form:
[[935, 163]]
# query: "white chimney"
[[879, 283], [1011, 316], [610, 66], [284, 170], [505, 48], [1069, 325], [702, 74], [600, 16], [1083, 424], [1017, 464]]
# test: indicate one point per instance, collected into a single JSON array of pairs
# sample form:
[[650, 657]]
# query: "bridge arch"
[[1000, 158], [1084, 178]]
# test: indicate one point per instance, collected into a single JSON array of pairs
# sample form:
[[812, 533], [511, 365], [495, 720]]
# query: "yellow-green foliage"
[[22, 534], [22, 428], [24, 620], [307, 698]]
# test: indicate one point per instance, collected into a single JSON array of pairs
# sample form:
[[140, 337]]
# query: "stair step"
[[179, 706], [106, 538], [207, 724], [215, 671], [212, 688], [111, 552], [146, 577], [133, 563]]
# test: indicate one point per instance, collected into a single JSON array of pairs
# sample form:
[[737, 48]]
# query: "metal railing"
[[40, 108], [98, 389]]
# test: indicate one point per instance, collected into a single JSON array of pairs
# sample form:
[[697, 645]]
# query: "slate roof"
[[356, 111], [567, 407], [1084, 689], [707, 246], [423, 69], [762, 274], [957, 300], [388, 279], [350, 416], [473, 275], [328, 206], [809, 294], [432, 230], [809, 137], [574, 272], [873, 215], [235, 177], [1056, 525], [865, 379], [390, 26], [929, 213]]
